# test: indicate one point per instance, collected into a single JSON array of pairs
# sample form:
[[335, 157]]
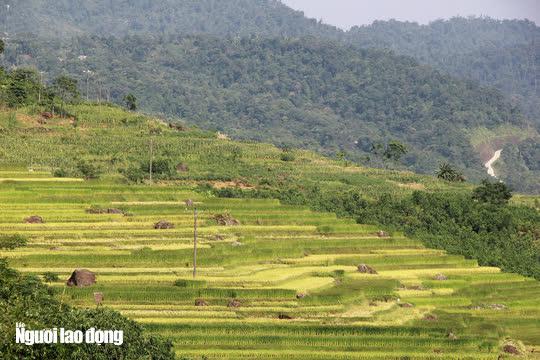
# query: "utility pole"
[[151, 156], [40, 86], [194, 242]]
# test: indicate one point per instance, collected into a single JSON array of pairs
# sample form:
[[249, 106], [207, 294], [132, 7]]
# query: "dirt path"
[[488, 165]]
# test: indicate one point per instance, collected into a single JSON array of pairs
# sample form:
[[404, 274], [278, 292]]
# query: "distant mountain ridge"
[[65, 18], [133, 46]]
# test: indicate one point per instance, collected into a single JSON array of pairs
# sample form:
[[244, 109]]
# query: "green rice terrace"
[[274, 281]]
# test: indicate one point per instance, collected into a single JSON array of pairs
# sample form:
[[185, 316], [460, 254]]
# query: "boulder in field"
[[200, 302], [365, 269], [163, 224], [182, 167], [382, 234], [94, 210], [440, 277], [511, 349], [234, 303], [406, 305], [34, 219], [226, 220], [81, 278]]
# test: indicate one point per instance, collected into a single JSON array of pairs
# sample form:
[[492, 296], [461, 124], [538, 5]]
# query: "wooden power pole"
[[194, 242], [151, 156]]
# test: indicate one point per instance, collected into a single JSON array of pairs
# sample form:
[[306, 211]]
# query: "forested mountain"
[[503, 54], [301, 92], [237, 76], [66, 18]]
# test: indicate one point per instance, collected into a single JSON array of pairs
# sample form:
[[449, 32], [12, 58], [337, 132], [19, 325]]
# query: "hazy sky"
[[346, 13]]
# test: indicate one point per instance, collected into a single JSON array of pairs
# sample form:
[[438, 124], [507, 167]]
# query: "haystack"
[[81, 278]]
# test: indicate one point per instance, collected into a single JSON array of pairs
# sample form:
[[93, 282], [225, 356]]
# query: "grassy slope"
[[285, 250], [114, 139]]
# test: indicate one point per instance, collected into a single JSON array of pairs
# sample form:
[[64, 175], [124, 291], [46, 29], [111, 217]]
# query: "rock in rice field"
[[226, 220], [440, 277], [200, 302], [34, 219], [365, 269], [284, 317], [301, 295], [431, 317], [234, 303], [162, 224], [382, 234], [511, 349], [81, 278], [182, 168], [406, 305], [104, 211]]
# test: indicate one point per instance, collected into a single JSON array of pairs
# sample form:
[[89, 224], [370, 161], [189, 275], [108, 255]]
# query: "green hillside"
[[66, 18], [498, 54], [280, 281], [502, 54], [308, 93]]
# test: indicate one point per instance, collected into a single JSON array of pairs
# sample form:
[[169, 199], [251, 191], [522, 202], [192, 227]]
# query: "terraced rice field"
[[292, 273]]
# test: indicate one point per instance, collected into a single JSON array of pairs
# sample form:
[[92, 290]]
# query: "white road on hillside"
[[489, 164]]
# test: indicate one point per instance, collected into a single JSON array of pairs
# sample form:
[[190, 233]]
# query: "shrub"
[[10, 242], [287, 156], [449, 173], [89, 170], [50, 277], [61, 173], [133, 174], [496, 193]]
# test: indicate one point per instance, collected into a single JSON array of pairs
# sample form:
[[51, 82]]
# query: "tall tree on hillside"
[[131, 102], [66, 89], [22, 88], [393, 151], [449, 173], [496, 193]]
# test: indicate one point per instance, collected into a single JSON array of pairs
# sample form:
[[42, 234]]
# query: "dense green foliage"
[[449, 173], [10, 242], [24, 299], [65, 18], [308, 93], [503, 54], [495, 193]]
